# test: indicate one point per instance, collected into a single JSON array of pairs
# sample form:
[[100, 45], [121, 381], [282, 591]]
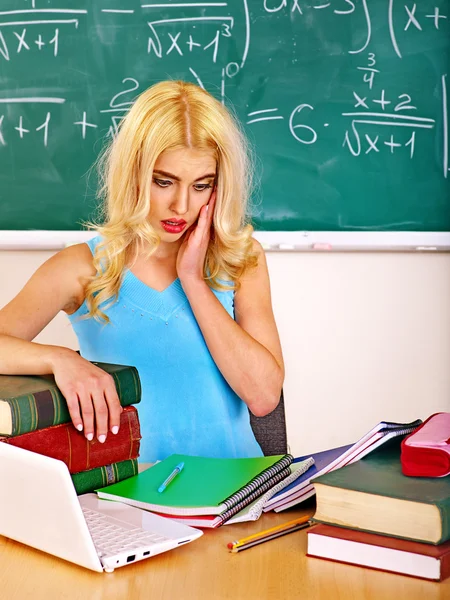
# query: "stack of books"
[[370, 514], [34, 416]]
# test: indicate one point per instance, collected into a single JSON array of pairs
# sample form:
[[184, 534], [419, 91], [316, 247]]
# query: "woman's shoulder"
[[257, 247], [93, 242], [79, 257], [256, 260], [256, 273], [75, 266]]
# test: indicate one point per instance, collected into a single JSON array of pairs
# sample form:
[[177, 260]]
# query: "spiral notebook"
[[205, 486], [212, 521], [253, 511]]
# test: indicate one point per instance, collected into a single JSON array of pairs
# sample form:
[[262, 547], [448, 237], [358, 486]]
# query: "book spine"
[[227, 514], [259, 480], [445, 567], [31, 412], [65, 443], [88, 481], [444, 510]]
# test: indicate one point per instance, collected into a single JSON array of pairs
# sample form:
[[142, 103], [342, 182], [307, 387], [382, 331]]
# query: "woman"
[[173, 284]]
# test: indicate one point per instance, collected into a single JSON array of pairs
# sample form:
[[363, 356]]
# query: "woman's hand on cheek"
[[192, 252]]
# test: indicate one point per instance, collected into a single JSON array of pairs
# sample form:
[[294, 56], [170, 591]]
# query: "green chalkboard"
[[345, 101]]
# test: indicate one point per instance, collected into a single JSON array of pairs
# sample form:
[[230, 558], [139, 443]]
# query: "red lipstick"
[[173, 225]]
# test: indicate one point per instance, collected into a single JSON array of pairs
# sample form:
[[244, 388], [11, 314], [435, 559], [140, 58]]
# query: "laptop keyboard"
[[111, 537]]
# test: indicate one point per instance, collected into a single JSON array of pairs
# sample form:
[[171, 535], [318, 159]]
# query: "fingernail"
[[80, 427], [207, 208], [101, 439], [90, 436], [115, 429]]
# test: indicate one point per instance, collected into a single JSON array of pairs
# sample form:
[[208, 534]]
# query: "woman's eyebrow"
[[172, 176]]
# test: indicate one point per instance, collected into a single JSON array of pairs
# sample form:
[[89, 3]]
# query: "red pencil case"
[[426, 452]]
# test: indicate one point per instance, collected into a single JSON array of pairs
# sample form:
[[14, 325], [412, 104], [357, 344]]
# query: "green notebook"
[[205, 486]]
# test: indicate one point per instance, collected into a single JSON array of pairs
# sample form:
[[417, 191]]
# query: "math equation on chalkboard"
[[345, 101]]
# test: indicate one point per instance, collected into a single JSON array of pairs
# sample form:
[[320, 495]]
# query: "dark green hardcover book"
[[34, 402], [88, 481], [373, 495]]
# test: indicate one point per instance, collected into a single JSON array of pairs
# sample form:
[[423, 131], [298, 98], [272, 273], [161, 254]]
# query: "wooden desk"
[[206, 570]]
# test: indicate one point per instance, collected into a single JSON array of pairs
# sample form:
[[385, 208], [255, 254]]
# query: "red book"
[[65, 443], [379, 552]]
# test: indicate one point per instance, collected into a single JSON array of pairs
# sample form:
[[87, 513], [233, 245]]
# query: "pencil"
[[271, 536], [264, 533]]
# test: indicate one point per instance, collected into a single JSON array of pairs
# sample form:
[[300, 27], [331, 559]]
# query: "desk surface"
[[205, 569]]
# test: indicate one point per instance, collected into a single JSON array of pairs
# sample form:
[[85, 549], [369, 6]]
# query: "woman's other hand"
[[192, 252]]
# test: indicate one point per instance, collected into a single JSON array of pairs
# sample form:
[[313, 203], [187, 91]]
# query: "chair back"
[[270, 430]]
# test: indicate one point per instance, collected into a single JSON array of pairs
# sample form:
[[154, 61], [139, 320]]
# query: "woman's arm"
[[58, 285], [247, 351]]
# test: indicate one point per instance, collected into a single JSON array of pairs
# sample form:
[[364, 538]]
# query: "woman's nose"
[[180, 202]]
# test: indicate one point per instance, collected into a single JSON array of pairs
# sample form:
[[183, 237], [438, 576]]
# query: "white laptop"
[[39, 507]]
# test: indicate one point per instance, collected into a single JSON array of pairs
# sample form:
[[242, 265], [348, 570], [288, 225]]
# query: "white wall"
[[366, 337]]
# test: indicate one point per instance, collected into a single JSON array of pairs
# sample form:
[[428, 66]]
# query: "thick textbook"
[[379, 552], [374, 495], [87, 481], [335, 458], [65, 443], [34, 402], [206, 486]]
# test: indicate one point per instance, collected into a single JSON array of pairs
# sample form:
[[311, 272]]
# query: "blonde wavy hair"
[[167, 116]]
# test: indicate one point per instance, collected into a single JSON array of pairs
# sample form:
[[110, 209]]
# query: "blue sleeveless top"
[[187, 406]]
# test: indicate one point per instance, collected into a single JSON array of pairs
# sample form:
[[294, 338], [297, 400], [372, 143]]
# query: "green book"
[[88, 481], [373, 495], [204, 486], [34, 402]]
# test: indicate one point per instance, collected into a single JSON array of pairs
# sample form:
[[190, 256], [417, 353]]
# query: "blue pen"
[[171, 477]]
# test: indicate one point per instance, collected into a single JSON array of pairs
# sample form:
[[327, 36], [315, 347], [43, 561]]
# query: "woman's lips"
[[173, 226]]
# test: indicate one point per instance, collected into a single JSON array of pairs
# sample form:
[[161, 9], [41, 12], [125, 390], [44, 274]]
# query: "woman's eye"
[[162, 182], [200, 187]]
